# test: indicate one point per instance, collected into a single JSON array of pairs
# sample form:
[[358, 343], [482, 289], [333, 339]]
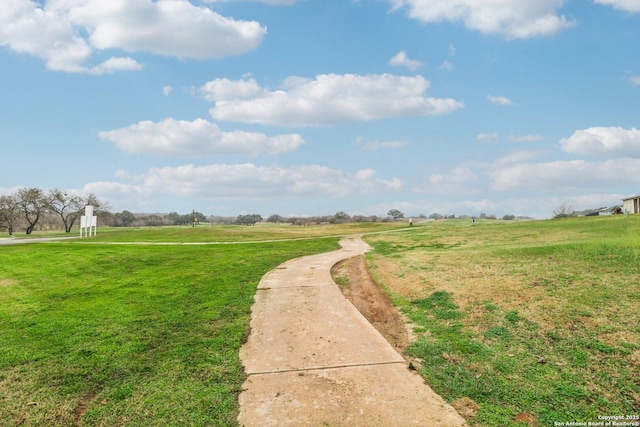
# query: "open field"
[[534, 321], [522, 323], [138, 335]]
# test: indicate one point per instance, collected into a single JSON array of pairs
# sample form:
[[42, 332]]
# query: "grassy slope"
[[531, 320], [138, 335]]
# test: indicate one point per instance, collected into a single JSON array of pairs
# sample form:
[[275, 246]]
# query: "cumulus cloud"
[[328, 99], [65, 34], [626, 5], [565, 175], [239, 181], [112, 65], [515, 19], [166, 90], [499, 100], [457, 180], [402, 60], [603, 140], [197, 138]]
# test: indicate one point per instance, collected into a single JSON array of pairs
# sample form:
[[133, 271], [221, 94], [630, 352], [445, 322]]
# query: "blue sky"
[[309, 107]]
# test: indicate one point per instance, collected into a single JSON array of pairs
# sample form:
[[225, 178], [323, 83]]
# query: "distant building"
[[613, 210], [631, 204]]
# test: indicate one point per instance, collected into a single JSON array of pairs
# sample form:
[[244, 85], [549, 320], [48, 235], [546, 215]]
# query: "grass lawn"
[[206, 233], [522, 323], [106, 335]]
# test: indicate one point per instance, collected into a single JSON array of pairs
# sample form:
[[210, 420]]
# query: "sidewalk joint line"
[[324, 368]]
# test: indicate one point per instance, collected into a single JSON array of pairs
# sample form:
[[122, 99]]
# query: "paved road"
[[10, 241], [313, 360]]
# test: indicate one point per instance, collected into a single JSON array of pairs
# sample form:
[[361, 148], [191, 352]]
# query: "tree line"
[[29, 207]]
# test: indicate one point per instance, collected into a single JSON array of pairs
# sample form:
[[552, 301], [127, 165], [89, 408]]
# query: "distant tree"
[[172, 217], [250, 219], [339, 218], [509, 217], [275, 218], [9, 212], [395, 214], [563, 211], [152, 220], [124, 218], [33, 205], [436, 215]]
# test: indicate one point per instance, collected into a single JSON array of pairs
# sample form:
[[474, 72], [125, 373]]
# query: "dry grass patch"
[[537, 318]]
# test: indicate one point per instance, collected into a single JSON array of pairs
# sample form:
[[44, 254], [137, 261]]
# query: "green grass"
[[128, 335], [235, 233], [538, 317]]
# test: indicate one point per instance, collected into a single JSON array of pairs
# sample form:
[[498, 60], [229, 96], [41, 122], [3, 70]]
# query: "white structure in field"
[[88, 222]]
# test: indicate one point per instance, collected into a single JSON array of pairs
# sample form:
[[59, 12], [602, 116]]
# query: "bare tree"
[[563, 211], [9, 212], [33, 204], [67, 206]]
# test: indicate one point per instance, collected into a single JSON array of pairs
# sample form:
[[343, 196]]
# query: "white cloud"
[[227, 90], [626, 5], [166, 91], [525, 138], [401, 59], [603, 140], [377, 145], [457, 180], [269, 2], [197, 138], [66, 33], [515, 19], [565, 175], [487, 137], [239, 181], [499, 100], [116, 64], [326, 100]]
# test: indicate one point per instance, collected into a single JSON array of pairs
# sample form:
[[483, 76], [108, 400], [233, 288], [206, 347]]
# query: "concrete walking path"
[[313, 360]]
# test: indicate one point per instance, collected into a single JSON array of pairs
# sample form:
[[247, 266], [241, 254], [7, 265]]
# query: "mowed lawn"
[[106, 335], [522, 323]]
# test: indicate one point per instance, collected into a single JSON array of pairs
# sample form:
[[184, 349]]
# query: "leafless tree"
[[67, 206], [563, 211], [9, 212], [32, 204]]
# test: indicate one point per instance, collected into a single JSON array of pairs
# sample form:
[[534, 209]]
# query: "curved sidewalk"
[[313, 360]]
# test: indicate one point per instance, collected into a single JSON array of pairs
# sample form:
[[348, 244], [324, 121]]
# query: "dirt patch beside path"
[[375, 305]]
